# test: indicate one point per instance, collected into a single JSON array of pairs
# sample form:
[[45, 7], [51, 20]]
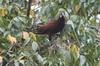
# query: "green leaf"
[[10, 25], [27, 41], [16, 63], [39, 57], [5, 33], [69, 22], [22, 61], [22, 19], [1, 1], [2, 29], [34, 46], [10, 7], [76, 55], [74, 17], [82, 60]]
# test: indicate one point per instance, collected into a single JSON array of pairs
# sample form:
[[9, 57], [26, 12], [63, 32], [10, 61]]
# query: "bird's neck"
[[61, 20]]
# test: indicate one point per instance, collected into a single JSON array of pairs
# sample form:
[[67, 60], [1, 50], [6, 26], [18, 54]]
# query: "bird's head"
[[62, 15]]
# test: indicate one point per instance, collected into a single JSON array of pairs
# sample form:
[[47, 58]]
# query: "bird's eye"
[[60, 16]]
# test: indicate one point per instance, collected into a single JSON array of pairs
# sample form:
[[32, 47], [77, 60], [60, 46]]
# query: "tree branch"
[[28, 9]]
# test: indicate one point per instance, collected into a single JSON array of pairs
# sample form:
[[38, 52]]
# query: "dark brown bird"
[[53, 27]]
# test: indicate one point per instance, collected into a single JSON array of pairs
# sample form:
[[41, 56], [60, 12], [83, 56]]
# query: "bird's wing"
[[47, 28], [42, 30]]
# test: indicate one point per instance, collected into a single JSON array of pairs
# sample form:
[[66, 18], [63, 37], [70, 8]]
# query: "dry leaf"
[[35, 1], [25, 35], [77, 7], [1, 59], [0, 50], [3, 11], [75, 49], [31, 13], [11, 39], [64, 38], [20, 57]]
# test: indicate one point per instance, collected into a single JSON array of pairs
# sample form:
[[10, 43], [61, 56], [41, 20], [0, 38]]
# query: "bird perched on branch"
[[53, 27]]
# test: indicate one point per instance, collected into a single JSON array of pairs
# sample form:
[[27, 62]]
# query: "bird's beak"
[[63, 14]]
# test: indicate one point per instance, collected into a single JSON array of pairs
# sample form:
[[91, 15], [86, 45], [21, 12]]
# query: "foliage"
[[78, 44]]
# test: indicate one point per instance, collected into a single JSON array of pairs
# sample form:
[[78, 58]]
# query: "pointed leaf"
[[82, 60], [34, 46]]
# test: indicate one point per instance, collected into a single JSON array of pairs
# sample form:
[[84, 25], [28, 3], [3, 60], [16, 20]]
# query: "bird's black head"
[[62, 17]]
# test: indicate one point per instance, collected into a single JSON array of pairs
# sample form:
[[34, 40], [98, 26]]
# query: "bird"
[[52, 27]]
